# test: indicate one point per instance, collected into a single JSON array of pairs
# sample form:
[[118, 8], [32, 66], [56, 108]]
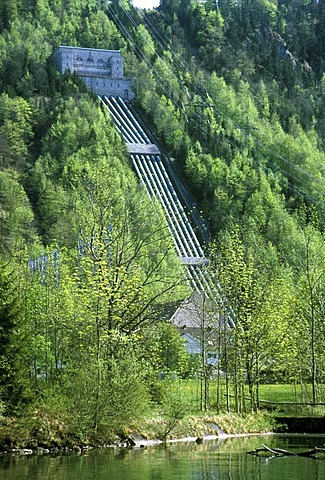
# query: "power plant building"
[[101, 70]]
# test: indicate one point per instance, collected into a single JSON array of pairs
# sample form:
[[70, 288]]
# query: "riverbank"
[[45, 435], [197, 427]]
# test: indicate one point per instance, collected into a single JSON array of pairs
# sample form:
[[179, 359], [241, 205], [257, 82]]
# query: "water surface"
[[213, 460]]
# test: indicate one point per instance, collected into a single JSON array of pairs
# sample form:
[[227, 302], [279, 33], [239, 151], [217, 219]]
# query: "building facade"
[[101, 70]]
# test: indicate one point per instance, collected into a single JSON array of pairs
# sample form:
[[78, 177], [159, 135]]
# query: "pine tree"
[[13, 368]]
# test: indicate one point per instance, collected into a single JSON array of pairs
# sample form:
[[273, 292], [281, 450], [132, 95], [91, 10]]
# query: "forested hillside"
[[235, 92]]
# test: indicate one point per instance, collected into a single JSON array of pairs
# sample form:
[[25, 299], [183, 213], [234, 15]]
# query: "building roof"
[[86, 49], [195, 312]]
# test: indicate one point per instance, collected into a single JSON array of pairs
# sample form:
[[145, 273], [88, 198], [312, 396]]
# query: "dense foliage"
[[235, 91]]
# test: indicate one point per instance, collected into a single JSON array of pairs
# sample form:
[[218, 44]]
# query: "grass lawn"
[[190, 391]]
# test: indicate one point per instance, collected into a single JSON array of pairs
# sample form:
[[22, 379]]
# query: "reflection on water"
[[213, 460]]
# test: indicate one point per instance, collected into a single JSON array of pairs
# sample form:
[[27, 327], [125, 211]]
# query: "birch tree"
[[310, 269], [260, 301]]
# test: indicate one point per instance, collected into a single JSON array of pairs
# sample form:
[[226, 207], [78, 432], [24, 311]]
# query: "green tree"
[[164, 349], [107, 395], [15, 131], [260, 301], [310, 268], [126, 269], [51, 314], [14, 367], [145, 42], [17, 231], [8, 13]]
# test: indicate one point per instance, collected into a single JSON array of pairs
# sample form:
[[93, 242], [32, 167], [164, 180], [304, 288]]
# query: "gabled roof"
[[195, 312]]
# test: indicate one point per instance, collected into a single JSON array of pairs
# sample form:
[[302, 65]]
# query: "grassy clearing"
[[277, 394]]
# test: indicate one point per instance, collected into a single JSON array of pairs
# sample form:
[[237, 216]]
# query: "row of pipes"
[[151, 170]]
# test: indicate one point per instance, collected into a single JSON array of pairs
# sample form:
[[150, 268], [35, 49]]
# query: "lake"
[[212, 460]]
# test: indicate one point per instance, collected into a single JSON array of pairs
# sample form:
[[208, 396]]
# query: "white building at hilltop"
[[101, 70]]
